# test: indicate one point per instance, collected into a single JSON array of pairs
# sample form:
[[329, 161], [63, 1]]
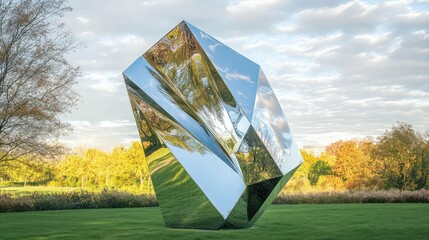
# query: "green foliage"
[[403, 155], [317, 169], [123, 169]]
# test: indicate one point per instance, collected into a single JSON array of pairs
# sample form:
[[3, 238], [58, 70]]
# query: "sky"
[[340, 69]]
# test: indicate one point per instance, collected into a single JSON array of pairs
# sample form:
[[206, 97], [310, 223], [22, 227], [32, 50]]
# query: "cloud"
[[129, 40], [238, 76], [103, 81], [340, 69], [82, 20], [103, 134]]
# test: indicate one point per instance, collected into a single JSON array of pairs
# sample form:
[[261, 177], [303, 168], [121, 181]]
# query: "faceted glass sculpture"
[[216, 141]]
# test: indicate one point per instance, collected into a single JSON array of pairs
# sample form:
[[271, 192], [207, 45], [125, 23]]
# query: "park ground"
[[334, 221]]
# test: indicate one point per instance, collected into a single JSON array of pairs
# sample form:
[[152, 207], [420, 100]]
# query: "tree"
[[404, 158], [354, 164], [35, 78], [318, 169], [138, 167]]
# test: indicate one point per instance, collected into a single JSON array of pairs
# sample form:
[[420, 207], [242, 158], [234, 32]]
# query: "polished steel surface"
[[217, 143]]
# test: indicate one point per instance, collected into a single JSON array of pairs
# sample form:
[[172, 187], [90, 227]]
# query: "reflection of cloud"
[[233, 75], [238, 76], [214, 46], [240, 93]]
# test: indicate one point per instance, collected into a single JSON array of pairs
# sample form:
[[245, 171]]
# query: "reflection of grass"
[[343, 221], [181, 200]]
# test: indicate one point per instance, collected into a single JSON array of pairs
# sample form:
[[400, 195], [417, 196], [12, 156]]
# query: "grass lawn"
[[336, 221]]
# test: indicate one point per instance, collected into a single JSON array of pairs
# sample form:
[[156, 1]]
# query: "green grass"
[[335, 221]]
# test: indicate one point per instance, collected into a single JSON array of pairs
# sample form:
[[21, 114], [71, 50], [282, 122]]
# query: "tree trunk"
[[81, 184]]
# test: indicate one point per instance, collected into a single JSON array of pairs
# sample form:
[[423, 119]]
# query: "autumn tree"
[[36, 80], [403, 154], [354, 164], [306, 178]]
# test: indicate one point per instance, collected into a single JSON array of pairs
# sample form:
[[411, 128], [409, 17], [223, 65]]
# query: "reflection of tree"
[[148, 137], [256, 162], [181, 62], [156, 123]]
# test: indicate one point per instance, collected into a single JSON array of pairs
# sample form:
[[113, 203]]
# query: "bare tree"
[[36, 80]]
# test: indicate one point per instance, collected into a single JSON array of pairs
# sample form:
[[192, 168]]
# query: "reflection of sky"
[[139, 74], [271, 124], [220, 183], [239, 73]]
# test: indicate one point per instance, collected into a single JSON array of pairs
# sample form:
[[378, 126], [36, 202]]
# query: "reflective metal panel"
[[217, 144]]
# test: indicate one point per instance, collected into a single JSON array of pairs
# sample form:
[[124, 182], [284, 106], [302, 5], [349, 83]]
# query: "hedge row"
[[74, 200], [385, 196], [114, 199]]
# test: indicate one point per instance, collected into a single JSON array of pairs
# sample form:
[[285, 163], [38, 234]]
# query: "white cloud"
[[123, 41], [246, 5], [237, 76], [103, 81], [341, 69], [83, 20], [103, 134]]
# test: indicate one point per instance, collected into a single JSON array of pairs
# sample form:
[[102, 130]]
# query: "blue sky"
[[340, 69]]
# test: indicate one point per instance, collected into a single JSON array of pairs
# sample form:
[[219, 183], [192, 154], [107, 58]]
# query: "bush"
[[385, 196], [74, 200], [115, 199], [11, 204]]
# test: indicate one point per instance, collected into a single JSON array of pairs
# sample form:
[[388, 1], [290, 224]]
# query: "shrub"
[[385, 196], [114, 199], [11, 204], [74, 200]]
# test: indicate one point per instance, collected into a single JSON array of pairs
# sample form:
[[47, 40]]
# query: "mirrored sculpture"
[[216, 141]]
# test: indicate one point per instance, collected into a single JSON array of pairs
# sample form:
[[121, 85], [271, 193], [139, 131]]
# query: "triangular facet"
[[258, 194], [273, 194], [239, 73], [272, 127], [238, 216], [255, 161]]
